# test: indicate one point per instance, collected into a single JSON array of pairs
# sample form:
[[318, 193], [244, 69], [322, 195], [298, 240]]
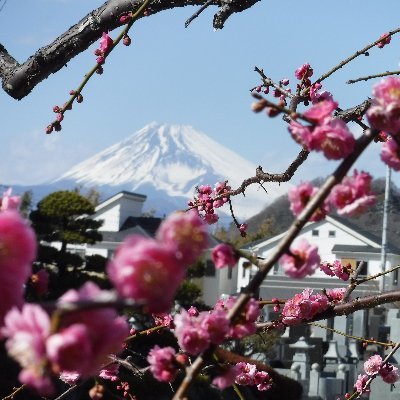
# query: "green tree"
[[26, 203], [65, 217]]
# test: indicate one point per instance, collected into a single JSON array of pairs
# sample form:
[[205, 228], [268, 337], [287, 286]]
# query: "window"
[[243, 271], [332, 233], [276, 268], [230, 272], [364, 268], [210, 268], [315, 232]]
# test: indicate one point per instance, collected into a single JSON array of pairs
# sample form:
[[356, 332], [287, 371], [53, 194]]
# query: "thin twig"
[[355, 55], [365, 78], [16, 390], [269, 82], [353, 282], [197, 13], [361, 339]]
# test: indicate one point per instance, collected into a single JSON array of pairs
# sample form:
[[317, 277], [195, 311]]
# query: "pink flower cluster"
[[329, 135], [336, 269], [150, 271], [353, 195], [196, 331], [300, 195], [249, 375], [384, 113], [244, 374], [388, 372], [304, 306], [206, 201], [163, 364], [390, 154], [79, 348], [17, 252], [302, 260], [224, 255]]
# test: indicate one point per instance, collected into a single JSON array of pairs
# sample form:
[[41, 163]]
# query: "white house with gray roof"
[[122, 216]]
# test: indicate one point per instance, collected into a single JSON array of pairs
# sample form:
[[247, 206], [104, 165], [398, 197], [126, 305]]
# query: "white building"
[[335, 239], [122, 216]]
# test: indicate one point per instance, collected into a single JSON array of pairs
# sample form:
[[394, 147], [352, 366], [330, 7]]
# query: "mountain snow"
[[166, 163]]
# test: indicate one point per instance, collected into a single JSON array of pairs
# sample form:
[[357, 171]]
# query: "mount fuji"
[[166, 163]]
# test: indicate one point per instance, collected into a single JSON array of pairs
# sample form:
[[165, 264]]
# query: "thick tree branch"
[[18, 80]]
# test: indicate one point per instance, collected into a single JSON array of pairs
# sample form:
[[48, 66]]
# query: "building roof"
[[374, 241], [117, 196]]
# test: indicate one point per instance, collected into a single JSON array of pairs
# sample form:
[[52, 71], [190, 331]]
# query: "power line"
[[2, 6]]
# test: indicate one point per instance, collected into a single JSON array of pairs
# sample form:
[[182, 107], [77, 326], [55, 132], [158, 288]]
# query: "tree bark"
[[18, 80]]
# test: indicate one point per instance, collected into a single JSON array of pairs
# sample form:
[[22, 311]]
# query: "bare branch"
[[18, 80], [365, 78]]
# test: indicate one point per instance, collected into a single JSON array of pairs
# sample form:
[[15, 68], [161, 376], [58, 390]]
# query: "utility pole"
[[385, 227]]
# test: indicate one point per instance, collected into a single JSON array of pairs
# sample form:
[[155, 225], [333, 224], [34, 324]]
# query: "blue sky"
[[191, 76]]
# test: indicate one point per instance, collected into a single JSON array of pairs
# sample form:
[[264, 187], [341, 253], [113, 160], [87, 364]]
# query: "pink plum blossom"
[[216, 324], [304, 71], [40, 282], [390, 154], [105, 43], [146, 271], [99, 332], [316, 95], [303, 306], [191, 337], [335, 295], [389, 373], [110, 372], [321, 112], [162, 363], [373, 365], [333, 139], [353, 196], [245, 323], [26, 331], [300, 195], [262, 380], [247, 374], [9, 202], [223, 255], [303, 260], [18, 245], [384, 113], [359, 386], [227, 378], [341, 271], [301, 134], [185, 235]]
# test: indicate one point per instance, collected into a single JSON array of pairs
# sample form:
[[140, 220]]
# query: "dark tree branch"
[[18, 80]]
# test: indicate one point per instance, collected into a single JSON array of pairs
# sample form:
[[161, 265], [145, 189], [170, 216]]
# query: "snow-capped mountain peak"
[[166, 162]]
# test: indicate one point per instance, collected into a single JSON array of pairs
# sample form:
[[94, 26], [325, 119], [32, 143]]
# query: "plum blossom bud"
[[98, 52], [59, 117], [285, 82], [100, 60], [258, 89], [56, 109], [124, 19], [99, 70], [79, 98], [266, 90], [49, 129], [127, 40], [243, 229], [57, 126], [386, 38], [72, 92]]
